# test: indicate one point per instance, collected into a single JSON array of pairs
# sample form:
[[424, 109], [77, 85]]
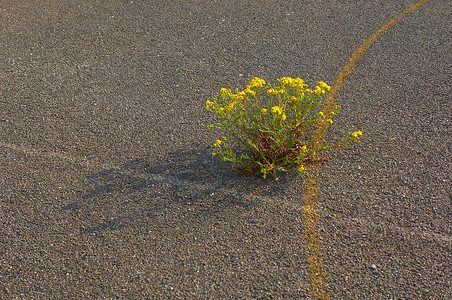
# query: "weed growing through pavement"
[[273, 124]]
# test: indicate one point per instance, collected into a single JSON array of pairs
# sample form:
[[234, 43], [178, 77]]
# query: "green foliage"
[[273, 124]]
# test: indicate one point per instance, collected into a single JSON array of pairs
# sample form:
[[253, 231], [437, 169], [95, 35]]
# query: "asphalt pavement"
[[108, 189]]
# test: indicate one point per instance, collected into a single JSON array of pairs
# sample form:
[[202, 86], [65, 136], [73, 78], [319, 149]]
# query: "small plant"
[[274, 125]]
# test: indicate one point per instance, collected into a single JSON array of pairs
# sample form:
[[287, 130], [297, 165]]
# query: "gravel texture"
[[108, 189]]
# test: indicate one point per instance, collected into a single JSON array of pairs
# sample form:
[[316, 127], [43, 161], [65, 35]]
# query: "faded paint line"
[[55, 155], [310, 208]]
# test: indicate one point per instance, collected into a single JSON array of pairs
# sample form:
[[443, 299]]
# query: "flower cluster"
[[357, 134], [272, 124]]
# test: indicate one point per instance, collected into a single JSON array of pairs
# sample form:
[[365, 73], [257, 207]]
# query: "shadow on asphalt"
[[185, 180]]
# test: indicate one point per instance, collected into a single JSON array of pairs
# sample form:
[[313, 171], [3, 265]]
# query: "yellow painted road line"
[[311, 199], [339, 82], [317, 284]]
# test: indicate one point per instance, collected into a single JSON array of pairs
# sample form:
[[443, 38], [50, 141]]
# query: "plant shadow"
[[191, 181]]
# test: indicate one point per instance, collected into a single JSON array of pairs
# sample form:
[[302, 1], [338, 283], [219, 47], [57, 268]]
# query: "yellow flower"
[[225, 93], [275, 92], [321, 114], [301, 169], [257, 82], [248, 90], [220, 110], [276, 110], [309, 91], [230, 106], [237, 97], [264, 111], [217, 143], [286, 81], [357, 134], [324, 85], [303, 148], [319, 91], [329, 121], [298, 83], [209, 104], [283, 117]]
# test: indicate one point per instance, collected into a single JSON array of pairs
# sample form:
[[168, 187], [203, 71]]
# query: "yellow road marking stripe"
[[311, 198], [356, 56]]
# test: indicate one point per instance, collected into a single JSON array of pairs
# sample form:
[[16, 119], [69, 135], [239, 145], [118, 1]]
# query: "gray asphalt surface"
[[108, 189]]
